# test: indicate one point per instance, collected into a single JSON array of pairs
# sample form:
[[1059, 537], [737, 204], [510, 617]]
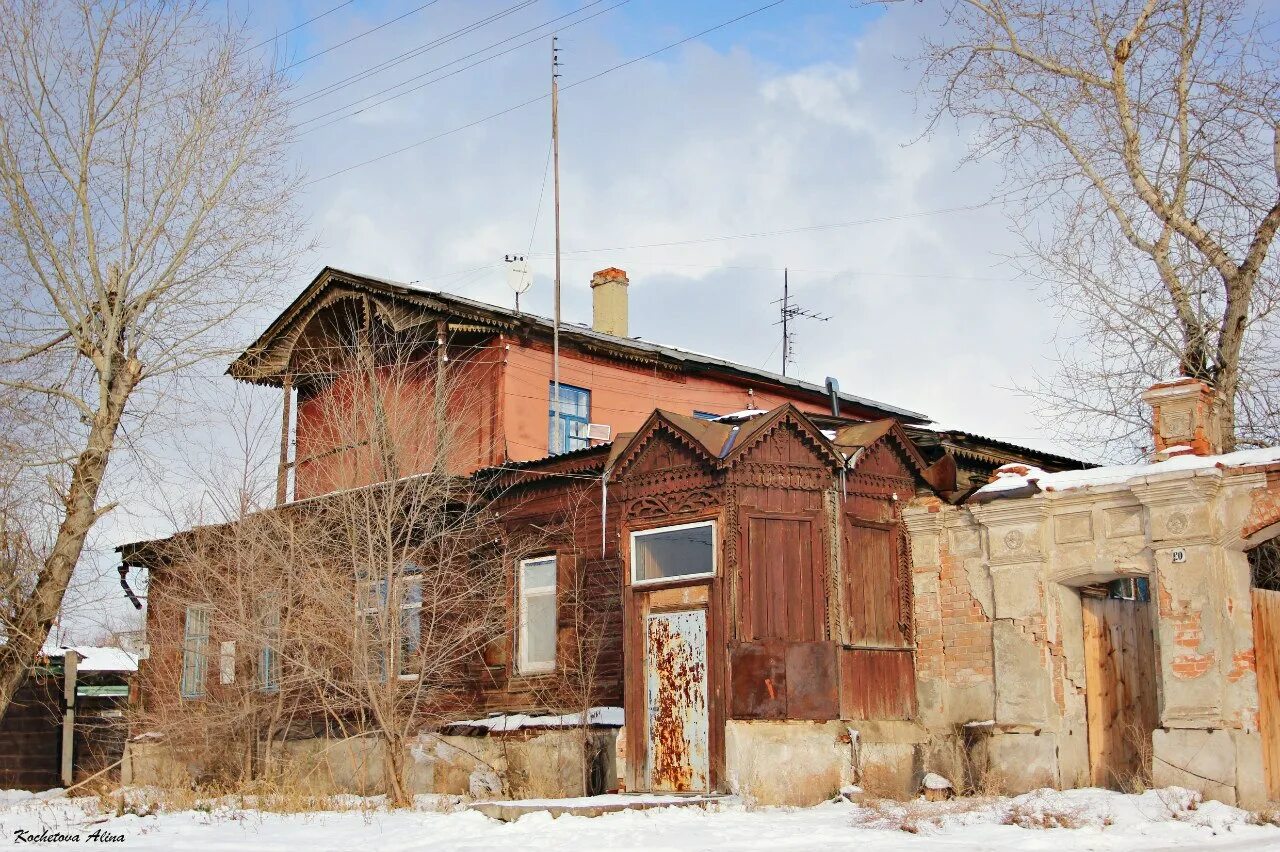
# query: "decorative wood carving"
[[658, 506]]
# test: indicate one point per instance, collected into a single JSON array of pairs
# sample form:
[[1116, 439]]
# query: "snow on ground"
[[1100, 820]]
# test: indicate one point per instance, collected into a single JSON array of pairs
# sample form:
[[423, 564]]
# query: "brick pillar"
[[1182, 415]]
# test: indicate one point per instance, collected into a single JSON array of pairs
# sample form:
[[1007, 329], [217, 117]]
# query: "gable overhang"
[[267, 359]]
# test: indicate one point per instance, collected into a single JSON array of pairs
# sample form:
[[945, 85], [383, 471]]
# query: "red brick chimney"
[[1182, 416]]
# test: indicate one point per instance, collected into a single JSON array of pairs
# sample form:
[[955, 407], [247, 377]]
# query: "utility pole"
[[790, 311], [555, 324]]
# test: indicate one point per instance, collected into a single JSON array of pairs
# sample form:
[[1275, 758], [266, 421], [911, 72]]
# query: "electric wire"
[[539, 98]]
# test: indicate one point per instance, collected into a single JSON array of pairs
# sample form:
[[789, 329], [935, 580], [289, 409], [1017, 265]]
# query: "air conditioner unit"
[[599, 431]]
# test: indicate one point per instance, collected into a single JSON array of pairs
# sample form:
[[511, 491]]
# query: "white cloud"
[[693, 144]]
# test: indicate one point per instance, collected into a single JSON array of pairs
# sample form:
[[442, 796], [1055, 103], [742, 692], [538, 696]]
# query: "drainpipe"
[[70, 661], [124, 584]]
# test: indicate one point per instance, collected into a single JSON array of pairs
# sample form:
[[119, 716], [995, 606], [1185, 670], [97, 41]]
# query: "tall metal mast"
[[555, 326]]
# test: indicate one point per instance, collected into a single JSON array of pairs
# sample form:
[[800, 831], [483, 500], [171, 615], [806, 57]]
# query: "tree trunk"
[[393, 762], [31, 626]]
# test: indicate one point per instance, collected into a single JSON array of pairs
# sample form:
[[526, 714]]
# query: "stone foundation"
[[526, 765]]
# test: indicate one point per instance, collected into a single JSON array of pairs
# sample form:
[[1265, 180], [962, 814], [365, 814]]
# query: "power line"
[[453, 73], [378, 68], [539, 98], [305, 23], [783, 231], [359, 36]]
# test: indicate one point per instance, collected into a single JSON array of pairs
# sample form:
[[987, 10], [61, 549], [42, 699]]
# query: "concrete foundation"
[[528, 765]]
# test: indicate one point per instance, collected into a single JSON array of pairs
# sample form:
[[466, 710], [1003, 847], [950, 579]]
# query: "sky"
[[789, 139]]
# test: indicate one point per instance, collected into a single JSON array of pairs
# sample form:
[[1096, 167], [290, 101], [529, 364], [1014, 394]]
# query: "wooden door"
[[676, 695], [1120, 690], [1266, 648]]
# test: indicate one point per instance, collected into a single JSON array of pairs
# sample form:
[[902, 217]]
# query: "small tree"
[[146, 198], [1148, 133]]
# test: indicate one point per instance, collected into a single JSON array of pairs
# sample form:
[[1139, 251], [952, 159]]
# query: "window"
[[195, 649], [399, 638], [227, 663], [409, 605], [269, 655], [672, 553], [373, 607], [537, 636], [575, 414]]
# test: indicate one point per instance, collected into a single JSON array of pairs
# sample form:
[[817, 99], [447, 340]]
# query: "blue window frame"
[[575, 414], [705, 415]]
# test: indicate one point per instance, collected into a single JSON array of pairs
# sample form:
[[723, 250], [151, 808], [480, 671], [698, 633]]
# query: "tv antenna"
[[789, 311], [517, 275]]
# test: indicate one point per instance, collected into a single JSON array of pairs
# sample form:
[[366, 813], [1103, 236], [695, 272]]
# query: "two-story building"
[[745, 537]]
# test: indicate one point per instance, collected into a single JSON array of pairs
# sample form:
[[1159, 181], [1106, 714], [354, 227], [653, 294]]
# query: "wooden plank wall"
[[1120, 689], [31, 736], [1266, 644]]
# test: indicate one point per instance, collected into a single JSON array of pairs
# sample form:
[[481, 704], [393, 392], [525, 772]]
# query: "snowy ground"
[[1162, 819]]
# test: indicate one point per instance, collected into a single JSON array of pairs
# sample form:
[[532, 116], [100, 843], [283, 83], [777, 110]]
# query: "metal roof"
[[675, 356]]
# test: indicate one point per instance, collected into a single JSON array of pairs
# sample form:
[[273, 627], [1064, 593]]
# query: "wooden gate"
[[1120, 689], [676, 692], [1266, 648]]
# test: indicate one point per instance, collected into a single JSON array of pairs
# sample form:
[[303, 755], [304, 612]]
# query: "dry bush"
[[1269, 815], [1037, 814]]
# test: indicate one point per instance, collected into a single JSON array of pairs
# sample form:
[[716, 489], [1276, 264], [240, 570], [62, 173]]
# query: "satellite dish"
[[518, 273]]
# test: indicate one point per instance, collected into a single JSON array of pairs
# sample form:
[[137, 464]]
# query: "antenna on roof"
[[789, 311], [517, 275]]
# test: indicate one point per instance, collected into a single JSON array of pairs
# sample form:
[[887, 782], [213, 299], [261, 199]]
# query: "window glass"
[[410, 623], [269, 656], [537, 634], [575, 414], [683, 551], [195, 650]]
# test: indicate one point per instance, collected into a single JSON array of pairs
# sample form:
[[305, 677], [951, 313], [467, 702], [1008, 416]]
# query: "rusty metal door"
[[676, 693]]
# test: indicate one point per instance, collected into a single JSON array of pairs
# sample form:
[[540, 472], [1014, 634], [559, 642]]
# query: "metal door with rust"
[[676, 694]]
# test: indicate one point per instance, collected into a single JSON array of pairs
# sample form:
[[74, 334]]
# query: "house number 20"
[[1179, 555]]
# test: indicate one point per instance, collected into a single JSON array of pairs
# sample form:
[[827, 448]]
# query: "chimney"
[[1182, 416], [609, 302]]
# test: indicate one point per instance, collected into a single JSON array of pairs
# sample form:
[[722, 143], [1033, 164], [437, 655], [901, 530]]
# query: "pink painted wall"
[[621, 396], [498, 405]]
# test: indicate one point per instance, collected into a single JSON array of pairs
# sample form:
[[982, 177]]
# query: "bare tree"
[[146, 199], [1147, 132], [379, 595]]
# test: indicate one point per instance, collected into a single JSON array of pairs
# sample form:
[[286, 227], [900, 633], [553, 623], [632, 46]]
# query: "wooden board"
[[1266, 646], [877, 684], [1120, 689]]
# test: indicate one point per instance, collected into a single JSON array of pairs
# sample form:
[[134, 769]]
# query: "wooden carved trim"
[[656, 506], [782, 475], [787, 419], [730, 568], [835, 562]]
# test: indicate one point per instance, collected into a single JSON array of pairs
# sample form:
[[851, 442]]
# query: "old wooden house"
[[740, 533]]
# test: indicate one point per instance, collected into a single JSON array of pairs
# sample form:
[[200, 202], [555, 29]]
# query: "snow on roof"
[[609, 717], [744, 414], [97, 659], [1019, 476]]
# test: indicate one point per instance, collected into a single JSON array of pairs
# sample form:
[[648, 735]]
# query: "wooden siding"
[[877, 684], [31, 736]]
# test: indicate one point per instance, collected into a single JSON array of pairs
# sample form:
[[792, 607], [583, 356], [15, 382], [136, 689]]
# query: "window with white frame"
[[673, 553], [269, 654], [391, 623], [409, 632], [537, 629], [195, 651]]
